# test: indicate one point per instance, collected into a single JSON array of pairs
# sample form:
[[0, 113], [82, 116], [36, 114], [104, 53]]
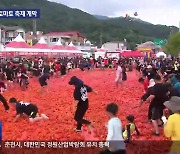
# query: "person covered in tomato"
[[81, 97], [43, 81], [4, 101], [24, 80], [31, 110]]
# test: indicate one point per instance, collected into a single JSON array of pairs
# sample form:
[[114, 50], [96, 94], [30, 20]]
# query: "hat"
[[151, 83], [173, 104], [149, 66]]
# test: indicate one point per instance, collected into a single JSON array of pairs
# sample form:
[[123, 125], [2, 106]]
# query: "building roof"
[[68, 33], [10, 27]]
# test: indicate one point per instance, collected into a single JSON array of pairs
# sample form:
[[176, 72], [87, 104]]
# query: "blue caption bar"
[[19, 13]]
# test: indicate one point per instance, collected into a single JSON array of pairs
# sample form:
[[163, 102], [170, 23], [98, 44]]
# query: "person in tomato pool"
[[81, 97], [114, 136], [31, 110], [4, 101], [43, 81]]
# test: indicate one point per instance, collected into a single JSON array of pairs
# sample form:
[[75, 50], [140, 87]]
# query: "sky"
[[166, 12]]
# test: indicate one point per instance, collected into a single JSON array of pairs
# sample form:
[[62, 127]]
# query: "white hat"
[[173, 104]]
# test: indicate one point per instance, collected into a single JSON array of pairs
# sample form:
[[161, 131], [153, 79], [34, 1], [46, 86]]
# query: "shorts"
[[34, 113], [157, 113], [9, 78], [43, 83]]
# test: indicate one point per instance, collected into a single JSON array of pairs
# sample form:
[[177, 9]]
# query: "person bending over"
[[31, 110], [4, 101]]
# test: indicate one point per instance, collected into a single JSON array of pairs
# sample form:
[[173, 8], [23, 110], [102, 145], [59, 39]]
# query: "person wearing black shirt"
[[43, 81], [158, 96], [4, 101], [81, 97], [151, 72], [145, 96], [9, 75], [46, 69], [31, 110], [63, 69]]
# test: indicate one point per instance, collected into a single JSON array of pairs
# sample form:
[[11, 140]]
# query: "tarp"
[[132, 54]]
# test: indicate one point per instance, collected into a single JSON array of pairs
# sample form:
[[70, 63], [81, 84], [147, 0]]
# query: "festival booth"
[[59, 49], [161, 55], [18, 47], [114, 54], [132, 54], [41, 48], [72, 51]]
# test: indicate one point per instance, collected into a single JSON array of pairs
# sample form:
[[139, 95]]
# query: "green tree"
[[173, 45]]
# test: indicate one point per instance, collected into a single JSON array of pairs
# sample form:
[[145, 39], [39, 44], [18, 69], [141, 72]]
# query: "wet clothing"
[[4, 101], [9, 74], [63, 70], [124, 75], [46, 69], [43, 79], [160, 92], [29, 109]]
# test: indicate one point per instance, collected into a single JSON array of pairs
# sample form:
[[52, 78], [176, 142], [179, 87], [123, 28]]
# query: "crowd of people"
[[160, 78]]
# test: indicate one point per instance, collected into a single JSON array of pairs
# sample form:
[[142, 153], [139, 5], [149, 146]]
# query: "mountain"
[[58, 17], [101, 17]]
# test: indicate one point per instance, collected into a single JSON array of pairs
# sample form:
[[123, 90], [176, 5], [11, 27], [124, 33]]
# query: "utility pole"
[[34, 28], [101, 39]]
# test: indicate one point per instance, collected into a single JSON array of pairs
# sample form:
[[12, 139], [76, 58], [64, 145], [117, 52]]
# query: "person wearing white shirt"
[[118, 75], [114, 136]]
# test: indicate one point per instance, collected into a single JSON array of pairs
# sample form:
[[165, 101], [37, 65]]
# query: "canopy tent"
[[102, 49], [72, 49], [18, 44], [41, 46], [58, 46], [161, 54], [132, 54]]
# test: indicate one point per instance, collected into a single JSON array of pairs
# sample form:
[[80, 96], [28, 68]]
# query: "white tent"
[[41, 46], [161, 54], [72, 49], [17, 45]]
